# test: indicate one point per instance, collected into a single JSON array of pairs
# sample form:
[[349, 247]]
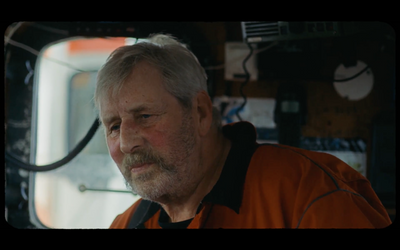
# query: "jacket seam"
[[330, 176], [333, 178], [312, 202], [321, 196]]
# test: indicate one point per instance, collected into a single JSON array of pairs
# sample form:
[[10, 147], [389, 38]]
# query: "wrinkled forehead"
[[143, 84], [111, 87]]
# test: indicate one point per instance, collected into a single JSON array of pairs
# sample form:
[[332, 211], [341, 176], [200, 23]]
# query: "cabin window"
[[79, 193]]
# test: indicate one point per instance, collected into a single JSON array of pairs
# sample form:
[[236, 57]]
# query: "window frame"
[[33, 214]]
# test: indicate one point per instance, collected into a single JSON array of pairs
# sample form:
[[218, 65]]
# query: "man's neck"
[[184, 208]]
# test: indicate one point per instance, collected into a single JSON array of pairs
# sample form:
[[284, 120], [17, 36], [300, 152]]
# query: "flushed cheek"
[[157, 140]]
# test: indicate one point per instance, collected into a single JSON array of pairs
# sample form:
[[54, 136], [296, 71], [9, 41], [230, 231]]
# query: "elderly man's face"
[[149, 135]]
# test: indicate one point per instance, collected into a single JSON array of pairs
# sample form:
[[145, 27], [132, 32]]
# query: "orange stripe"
[[95, 45]]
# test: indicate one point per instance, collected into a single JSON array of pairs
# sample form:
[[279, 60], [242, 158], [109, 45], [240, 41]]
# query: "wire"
[[37, 53], [81, 145], [9, 157], [8, 40], [255, 52], [21, 45], [64, 64], [50, 29], [221, 66], [352, 77], [245, 82], [11, 32]]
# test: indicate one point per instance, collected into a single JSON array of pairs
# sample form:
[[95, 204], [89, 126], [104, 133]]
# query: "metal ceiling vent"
[[254, 32]]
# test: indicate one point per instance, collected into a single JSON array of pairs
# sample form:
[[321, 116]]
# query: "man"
[[166, 139]]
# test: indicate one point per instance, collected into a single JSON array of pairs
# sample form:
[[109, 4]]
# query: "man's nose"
[[130, 137]]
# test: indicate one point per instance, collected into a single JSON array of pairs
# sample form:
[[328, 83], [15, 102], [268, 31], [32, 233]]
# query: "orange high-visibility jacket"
[[276, 186]]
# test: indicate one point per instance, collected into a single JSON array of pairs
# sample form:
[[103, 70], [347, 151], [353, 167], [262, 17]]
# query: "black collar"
[[228, 190]]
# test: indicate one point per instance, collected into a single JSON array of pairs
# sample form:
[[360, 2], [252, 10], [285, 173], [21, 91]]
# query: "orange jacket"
[[276, 186]]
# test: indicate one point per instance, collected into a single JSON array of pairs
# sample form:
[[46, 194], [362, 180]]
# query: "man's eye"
[[146, 116], [114, 127]]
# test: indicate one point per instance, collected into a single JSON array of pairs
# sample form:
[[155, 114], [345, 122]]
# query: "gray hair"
[[181, 71]]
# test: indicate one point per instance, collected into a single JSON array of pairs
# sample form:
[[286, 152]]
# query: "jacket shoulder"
[[297, 159], [314, 180], [122, 220]]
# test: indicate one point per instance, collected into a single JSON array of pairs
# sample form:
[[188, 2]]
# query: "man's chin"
[[151, 184], [147, 194], [147, 190]]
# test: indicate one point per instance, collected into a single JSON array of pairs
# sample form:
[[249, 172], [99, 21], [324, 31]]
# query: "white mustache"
[[139, 158], [143, 156]]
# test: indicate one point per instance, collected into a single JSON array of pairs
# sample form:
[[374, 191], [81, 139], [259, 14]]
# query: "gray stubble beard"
[[164, 178]]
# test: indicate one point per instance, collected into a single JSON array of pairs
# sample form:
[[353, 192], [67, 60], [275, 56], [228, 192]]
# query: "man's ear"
[[204, 111]]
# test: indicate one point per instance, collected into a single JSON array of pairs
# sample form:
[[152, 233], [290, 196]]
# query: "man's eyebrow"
[[107, 120], [138, 109]]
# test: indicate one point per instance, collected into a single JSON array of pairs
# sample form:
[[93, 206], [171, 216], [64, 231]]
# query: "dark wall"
[[329, 115]]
